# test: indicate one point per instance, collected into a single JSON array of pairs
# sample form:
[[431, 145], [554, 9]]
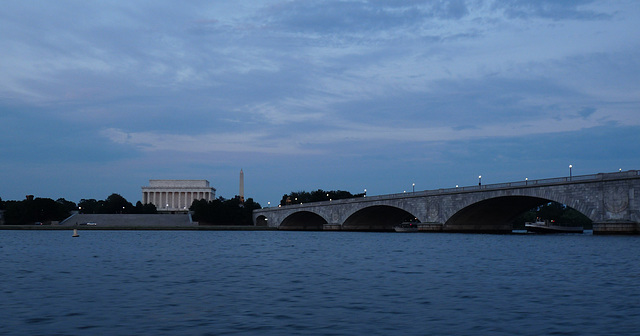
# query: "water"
[[317, 283]]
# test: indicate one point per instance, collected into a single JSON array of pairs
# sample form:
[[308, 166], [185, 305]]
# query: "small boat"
[[406, 227], [547, 226]]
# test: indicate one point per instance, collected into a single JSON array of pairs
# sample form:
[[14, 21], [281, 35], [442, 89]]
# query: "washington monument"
[[241, 186]]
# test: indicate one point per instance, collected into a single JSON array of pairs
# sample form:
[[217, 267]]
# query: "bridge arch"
[[303, 220], [498, 213], [377, 218], [492, 214], [262, 220]]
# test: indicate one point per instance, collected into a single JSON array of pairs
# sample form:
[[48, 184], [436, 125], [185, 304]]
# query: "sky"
[[100, 97]]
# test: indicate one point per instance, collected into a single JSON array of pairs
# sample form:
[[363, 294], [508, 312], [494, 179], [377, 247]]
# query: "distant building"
[[176, 195]]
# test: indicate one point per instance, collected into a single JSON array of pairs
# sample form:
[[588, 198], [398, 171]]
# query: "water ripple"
[[315, 283]]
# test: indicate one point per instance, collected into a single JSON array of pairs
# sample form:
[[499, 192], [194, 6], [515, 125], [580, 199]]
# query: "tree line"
[[33, 210], [223, 211], [36, 210], [319, 195], [114, 204], [45, 210]]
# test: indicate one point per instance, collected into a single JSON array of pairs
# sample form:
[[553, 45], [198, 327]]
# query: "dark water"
[[317, 283]]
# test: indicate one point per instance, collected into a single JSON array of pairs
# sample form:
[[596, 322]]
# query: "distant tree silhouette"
[[224, 212], [148, 208], [319, 195], [30, 211], [556, 212], [114, 204]]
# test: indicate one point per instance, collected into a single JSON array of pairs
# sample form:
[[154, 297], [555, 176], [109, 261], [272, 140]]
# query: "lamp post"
[[570, 174], [414, 187], [365, 192], [526, 180], [479, 180]]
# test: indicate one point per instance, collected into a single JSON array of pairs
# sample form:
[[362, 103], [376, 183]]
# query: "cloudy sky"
[[99, 97]]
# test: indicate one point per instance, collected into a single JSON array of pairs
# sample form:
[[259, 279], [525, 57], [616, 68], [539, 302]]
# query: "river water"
[[317, 283]]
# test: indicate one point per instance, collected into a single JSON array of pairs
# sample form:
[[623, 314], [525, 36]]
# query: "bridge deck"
[[487, 187]]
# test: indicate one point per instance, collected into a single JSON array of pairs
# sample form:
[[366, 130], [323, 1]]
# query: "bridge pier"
[[332, 227], [430, 227], [617, 227], [478, 228]]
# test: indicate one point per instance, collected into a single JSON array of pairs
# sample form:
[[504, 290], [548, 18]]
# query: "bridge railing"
[[525, 183]]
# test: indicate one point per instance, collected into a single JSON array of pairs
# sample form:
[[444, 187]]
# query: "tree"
[[224, 212], [316, 196], [115, 204], [31, 211], [90, 206], [553, 211], [67, 205], [148, 208]]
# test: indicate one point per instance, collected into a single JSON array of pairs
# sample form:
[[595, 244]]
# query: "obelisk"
[[241, 186]]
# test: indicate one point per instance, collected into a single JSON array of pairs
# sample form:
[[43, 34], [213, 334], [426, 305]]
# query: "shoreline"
[[139, 228]]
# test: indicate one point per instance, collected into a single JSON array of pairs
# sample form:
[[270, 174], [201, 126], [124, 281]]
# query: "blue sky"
[[99, 97]]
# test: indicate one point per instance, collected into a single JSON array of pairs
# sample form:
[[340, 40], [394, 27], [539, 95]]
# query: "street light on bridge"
[[414, 187], [570, 174], [479, 180]]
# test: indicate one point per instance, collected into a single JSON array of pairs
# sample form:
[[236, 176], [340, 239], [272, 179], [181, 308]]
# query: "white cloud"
[[309, 142], [252, 142]]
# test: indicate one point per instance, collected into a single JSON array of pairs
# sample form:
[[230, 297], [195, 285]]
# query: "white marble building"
[[176, 195]]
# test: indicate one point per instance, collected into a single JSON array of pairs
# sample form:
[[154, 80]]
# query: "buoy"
[[75, 233]]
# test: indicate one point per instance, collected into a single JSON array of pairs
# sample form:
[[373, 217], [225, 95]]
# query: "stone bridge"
[[610, 200]]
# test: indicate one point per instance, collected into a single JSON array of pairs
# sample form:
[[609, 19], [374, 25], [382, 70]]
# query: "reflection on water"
[[317, 283]]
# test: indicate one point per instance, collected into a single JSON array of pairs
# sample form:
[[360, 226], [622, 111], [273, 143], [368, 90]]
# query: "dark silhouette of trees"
[[559, 213], [117, 204], [319, 195], [36, 210], [45, 210], [224, 212], [67, 205], [114, 204], [148, 208]]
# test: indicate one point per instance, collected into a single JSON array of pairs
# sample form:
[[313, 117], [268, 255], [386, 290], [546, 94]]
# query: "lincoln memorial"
[[176, 195]]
